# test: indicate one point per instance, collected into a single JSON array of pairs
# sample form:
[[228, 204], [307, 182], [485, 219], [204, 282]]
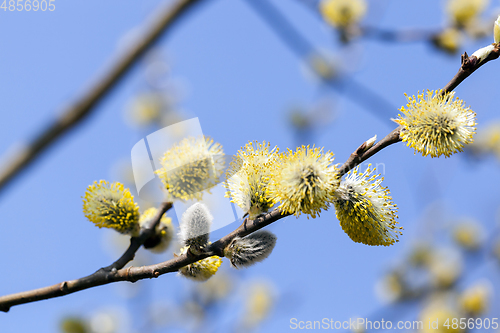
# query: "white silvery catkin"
[[246, 251], [195, 226]]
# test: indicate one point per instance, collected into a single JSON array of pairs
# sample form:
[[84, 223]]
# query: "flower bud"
[[483, 52], [195, 226], [369, 143], [246, 251]]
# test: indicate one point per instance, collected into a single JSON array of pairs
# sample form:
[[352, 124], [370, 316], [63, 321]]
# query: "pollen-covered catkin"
[[190, 167], [111, 206], [201, 270], [305, 181], [436, 124], [249, 176], [365, 209]]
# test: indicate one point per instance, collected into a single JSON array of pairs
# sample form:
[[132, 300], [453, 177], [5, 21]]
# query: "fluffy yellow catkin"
[[190, 167], [365, 209], [249, 176], [111, 206], [342, 13], [305, 181], [436, 124]]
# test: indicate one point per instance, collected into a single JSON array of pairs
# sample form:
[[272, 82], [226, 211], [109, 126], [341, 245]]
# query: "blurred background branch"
[[161, 21], [357, 92]]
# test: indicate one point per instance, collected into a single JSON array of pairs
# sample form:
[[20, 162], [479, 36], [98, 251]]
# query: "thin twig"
[[362, 154], [469, 66], [132, 274], [102, 276], [136, 242], [285, 29], [73, 114]]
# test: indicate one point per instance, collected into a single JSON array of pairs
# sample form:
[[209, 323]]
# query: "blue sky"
[[241, 81]]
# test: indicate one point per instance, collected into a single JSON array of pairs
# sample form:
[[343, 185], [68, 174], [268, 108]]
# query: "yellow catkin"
[[111, 206], [342, 13], [436, 124], [201, 270], [190, 167], [248, 178], [304, 181], [463, 12], [365, 209]]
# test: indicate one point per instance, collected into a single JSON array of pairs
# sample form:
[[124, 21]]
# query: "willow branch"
[[361, 154], [102, 276], [147, 231], [115, 272], [469, 66], [83, 106]]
